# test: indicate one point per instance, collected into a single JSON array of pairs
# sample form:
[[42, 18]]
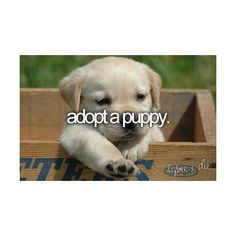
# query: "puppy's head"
[[117, 85]]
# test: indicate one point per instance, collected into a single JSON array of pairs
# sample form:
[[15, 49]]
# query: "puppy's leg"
[[95, 151], [156, 134], [136, 150]]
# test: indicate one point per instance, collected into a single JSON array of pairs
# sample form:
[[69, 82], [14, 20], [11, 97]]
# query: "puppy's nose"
[[128, 125]]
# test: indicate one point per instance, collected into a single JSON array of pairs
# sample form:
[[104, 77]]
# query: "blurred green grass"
[[175, 71]]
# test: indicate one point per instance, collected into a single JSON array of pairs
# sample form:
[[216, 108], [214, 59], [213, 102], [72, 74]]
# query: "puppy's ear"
[[70, 89], [155, 83]]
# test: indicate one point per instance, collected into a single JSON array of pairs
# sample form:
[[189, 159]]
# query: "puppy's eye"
[[103, 101], [140, 97]]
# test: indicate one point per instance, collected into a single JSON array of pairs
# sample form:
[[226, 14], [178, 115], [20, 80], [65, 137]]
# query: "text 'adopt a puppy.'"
[[143, 118]]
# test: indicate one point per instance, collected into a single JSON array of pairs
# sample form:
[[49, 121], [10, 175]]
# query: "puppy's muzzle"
[[129, 125]]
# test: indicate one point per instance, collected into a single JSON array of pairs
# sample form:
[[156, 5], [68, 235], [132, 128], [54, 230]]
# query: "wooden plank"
[[42, 114], [207, 115], [43, 157], [180, 108], [198, 127], [42, 148]]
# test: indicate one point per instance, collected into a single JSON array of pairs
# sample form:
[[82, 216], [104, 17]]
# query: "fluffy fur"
[[110, 148]]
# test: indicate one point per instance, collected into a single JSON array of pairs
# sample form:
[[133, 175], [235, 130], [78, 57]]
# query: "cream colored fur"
[[119, 80]]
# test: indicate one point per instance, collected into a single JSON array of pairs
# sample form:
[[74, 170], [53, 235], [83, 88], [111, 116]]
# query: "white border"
[[121, 27]]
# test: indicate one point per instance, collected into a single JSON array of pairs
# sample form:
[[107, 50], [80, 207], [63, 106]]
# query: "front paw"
[[136, 153], [121, 168]]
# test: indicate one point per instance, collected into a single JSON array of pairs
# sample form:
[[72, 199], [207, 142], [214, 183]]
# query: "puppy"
[[117, 85]]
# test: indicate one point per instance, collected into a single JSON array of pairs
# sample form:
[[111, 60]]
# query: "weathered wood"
[[159, 157], [180, 108], [206, 112], [42, 113]]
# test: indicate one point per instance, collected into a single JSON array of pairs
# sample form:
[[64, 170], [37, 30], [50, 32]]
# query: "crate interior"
[[42, 114]]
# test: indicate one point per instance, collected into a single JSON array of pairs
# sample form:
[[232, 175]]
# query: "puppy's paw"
[[136, 153], [121, 168]]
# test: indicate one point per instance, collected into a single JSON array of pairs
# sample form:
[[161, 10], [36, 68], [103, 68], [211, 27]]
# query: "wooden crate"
[[188, 154]]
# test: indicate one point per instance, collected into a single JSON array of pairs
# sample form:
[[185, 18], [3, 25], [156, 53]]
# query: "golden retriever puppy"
[[113, 84]]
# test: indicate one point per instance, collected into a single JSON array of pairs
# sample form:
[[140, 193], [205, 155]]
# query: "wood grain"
[[162, 155], [204, 104]]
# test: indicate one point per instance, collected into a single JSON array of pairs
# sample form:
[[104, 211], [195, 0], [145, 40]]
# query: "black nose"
[[128, 125]]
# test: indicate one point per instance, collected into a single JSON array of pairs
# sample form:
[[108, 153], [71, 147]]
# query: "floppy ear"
[[155, 83], [70, 89]]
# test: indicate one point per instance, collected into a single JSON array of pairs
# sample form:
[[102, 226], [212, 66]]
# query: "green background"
[[175, 71]]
